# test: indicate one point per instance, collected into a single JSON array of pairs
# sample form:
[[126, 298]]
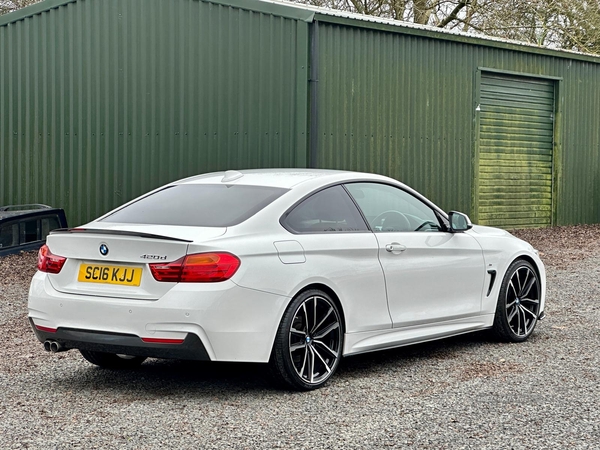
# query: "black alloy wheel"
[[309, 341], [518, 305]]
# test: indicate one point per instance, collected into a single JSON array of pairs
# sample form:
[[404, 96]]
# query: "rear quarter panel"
[[346, 263]]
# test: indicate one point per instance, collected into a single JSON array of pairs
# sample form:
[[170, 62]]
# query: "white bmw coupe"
[[291, 267]]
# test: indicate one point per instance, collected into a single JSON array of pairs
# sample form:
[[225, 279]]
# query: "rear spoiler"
[[115, 233]]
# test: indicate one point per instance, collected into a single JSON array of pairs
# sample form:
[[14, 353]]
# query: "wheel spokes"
[[518, 280], [327, 330], [316, 352], [311, 364], [305, 317], [314, 330], [525, 291], [293, 330], [526, 323], [301, 372], [525, 310], [331, 351], [298, 346], [512, 314]]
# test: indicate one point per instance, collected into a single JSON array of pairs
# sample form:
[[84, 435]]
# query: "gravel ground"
[[466, 392]]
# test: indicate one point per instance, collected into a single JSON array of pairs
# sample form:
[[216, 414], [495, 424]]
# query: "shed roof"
[[381, 23], [309, 13]]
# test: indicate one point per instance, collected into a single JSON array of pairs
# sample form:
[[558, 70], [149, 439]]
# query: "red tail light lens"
[[49, 262], [168, 272], [197, 268]]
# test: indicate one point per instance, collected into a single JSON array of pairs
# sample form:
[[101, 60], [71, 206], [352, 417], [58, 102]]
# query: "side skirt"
[[369, 341]]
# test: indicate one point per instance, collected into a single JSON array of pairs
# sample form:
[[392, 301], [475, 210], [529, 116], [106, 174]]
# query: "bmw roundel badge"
[[103, 249]]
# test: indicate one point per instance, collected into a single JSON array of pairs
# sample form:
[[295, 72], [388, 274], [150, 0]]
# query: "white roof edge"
[[286, 178], [415, 26]]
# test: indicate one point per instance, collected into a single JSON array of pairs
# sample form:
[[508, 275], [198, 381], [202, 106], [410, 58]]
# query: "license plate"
[[94, 273]]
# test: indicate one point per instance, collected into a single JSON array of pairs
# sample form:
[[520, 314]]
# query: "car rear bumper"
[[191, 348], [215, 321]]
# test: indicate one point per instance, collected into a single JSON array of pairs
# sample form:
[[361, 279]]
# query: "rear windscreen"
[[199, 205]]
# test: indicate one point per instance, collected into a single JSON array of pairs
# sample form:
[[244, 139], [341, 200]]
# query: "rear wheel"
[[111, 360], [308, 345], [518, 305]]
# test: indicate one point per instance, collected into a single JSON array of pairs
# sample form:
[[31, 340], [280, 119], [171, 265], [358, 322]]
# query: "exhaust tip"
[[55, 347]]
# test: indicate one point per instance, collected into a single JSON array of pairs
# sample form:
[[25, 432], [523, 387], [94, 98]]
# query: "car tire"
[[111, 360], [309, 342], [518, 304]]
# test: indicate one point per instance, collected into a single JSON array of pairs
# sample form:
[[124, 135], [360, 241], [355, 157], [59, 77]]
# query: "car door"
[[341, 252], [431, 274]]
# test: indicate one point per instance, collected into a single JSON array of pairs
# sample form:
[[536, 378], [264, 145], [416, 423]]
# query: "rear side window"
[[49, 224], [198, 205], [29, 231], [327, 211], [9, 235]]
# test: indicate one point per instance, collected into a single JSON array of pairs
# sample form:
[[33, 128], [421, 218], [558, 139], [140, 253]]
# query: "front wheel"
[[518, 305], [309, 341], [111, 360]]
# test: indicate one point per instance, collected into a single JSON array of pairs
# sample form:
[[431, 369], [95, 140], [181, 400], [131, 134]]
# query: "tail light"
[[197, 268], [49, 262]]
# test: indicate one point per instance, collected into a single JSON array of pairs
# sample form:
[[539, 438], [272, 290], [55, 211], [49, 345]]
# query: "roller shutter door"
[[516, 129]]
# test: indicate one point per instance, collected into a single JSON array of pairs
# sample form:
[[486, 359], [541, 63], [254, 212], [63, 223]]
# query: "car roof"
[[27, 211], [281, 178]]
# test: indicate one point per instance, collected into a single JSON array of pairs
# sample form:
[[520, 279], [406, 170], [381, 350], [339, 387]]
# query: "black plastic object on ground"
[[25, 227]]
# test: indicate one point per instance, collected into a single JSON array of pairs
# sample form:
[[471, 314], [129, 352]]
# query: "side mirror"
[[459, 222]]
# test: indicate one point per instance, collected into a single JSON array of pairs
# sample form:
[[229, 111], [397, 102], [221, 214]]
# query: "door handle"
[[395, 248]]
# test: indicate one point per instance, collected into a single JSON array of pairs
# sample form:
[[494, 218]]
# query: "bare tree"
[[567, 24], [7, 6], [439, 13]]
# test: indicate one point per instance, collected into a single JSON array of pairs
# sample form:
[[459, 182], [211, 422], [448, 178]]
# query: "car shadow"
[[159, 378], [373, 362], [162, 377]]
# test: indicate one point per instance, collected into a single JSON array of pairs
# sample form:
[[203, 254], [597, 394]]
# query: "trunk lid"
[[114, 261]]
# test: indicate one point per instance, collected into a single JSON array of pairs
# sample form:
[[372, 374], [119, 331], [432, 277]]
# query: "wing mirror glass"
[[459, 222]]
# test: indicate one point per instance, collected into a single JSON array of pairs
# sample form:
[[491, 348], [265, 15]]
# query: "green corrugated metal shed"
[[104, 100], [101, 101]]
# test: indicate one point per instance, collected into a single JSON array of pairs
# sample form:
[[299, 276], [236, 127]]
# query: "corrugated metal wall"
[[101, 101], [578, 193], [405, 106], [397, 105]]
